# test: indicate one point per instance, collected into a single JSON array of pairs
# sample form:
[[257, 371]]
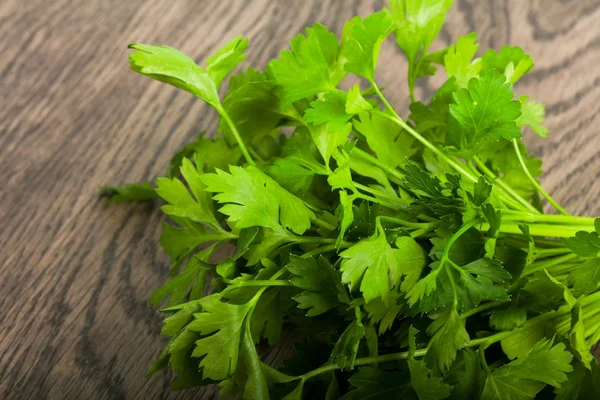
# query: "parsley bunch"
[[409, 256]]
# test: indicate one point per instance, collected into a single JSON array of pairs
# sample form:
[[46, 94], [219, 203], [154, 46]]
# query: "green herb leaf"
[[310, 67], [485, 111], [321, 283], [544, 364], [254, 199], [168, 65], [142, 191], [362, 49]]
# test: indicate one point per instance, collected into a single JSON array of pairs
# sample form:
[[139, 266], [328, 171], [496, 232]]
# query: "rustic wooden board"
[[76, 273]]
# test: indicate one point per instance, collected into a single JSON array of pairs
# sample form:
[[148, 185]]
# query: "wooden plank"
[[76, 273]]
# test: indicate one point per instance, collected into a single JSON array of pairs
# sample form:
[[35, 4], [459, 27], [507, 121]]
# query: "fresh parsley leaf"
[[385, 314], [391, 144], [532, 115], [511, 61], [345, 214], [582, 384], [459, 62], [291, 176], [426, 386], [355, 102], [329, 110], [345, 350], [180, 241], [376, 268], [327, 142], [362, 48], [416, 24], [248, 378], [223, 323], [254, 199], [448, 335], [169, 65], [544, 364], [142, 191], [586, 278], [310, 67], [508, 319], [585, 244], [484, 111], [321, 283], [181, 203], [373, 383], [189, 283], [253, 106]]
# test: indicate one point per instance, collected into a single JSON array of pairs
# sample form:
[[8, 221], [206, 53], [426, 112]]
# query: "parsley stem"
[[394, 357], [558, 231], [380, 193], [236, 135], [369, 158], [407, 223], [595, 337], [323, 249], [538, 266], [459, 233], [422, 231], [534, 182], [446, 256], [262, 283], [254, 154], [560, 219], [481, 165], [322, 224], [386, 203], [400, 122], [312, 240], [483, 307], [563, 268], [551, 252]]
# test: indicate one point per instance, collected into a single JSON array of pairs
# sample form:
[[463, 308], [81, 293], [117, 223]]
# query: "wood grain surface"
[[76, 273]]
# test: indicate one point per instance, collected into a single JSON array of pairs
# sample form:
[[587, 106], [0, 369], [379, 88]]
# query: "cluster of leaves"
[[411, 255]]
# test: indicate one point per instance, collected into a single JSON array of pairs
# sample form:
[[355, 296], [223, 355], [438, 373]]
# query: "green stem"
[[504, 186], [236, 135], [381, 194], [521, 241], [558, 231], [551, 252], [394, 357], [407, 223], [422, 231], [373, 160], [459, 233], [261, 283], [400, 122], [446, 256], [313, 240], [380, 201], [483, 307], [534, 182], [595, 337], [559, 219], [254, 154], [322, 224], [538, 266], [592, 324], [323, 249], [563, 268]]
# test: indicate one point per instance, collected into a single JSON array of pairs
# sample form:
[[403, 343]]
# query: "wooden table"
[[75, 272]]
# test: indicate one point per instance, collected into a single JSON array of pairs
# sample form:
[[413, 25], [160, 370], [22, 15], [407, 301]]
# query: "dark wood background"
[[75, 272]]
